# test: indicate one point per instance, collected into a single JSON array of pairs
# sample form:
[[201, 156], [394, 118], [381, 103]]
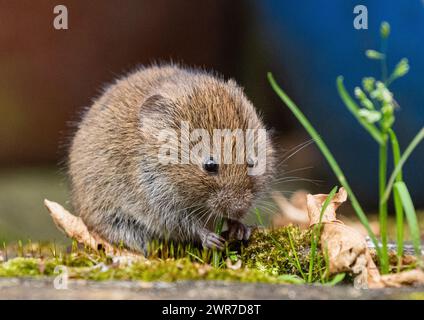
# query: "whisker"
[[297, 170], [204, 213], [293, 151], [314, 182], [268, 202], [267, 210], [194, 212], [289, 177], [271, 207], [207, 220]]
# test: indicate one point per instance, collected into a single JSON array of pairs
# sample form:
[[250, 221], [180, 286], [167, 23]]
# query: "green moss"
[[271, 252], [269, 257], [173, 270], [145, 270], [20, 267]]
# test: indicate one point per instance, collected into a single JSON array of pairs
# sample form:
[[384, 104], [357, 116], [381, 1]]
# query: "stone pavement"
[[14, 288]]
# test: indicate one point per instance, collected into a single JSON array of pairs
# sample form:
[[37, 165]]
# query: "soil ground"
[[14, 288]]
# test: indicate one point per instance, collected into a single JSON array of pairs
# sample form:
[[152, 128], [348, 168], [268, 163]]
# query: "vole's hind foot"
[[238, 230], [211, 240]]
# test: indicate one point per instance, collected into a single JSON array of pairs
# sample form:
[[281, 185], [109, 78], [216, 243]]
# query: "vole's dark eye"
[[211, 166], [252, 162]]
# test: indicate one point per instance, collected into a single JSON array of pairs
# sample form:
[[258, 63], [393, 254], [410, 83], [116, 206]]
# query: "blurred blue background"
[[310, 43]]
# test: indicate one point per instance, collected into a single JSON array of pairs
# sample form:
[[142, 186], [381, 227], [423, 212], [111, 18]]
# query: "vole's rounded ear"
[[153, 105], [154, 111]]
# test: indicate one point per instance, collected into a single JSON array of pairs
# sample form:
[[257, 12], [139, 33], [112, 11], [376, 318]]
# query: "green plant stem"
[[382, 176], [217, 255], [296, 258], [259, 217], [337, 279], [327, 262], [412, 145], [411, 216], [397, 200], [328, 155], [196, 257]]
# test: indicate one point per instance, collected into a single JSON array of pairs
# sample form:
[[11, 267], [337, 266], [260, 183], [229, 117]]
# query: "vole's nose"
[[233, 204], [238, 214], [240, 207]]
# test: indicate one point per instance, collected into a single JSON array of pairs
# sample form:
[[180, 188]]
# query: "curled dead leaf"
[[75, 228], [347, 248], [315, 202], [295, 211], [411, 277]]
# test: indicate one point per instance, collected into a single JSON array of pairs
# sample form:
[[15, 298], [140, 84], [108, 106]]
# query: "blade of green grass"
[[328, 155], [317, 231], [321, 273], [327, 263], [414, 143], [354, 109], [396, 153], [195, 257], [219, 226], [291, 278], [410, 214], [296, 258], [216, 257], [336, 279], [292, 261], [382, 210], [396, 199], [259, 217], [5, 251]]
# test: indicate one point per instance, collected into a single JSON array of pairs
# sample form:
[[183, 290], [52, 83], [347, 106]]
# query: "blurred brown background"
[[49, 75]]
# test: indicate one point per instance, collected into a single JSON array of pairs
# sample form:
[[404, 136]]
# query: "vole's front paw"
[[238, 230], [211, 240]]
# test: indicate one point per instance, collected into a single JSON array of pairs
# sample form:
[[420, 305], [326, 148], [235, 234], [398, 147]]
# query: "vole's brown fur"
[[125, 194]]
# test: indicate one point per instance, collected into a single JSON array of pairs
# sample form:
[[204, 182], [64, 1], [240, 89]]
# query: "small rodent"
[[126, 195]]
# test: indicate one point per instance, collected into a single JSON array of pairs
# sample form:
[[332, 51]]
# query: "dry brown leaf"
[[291, 212], [295, 211], [411, 277], [315, 202], [346, 247], [75, 228], [357, 225]]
